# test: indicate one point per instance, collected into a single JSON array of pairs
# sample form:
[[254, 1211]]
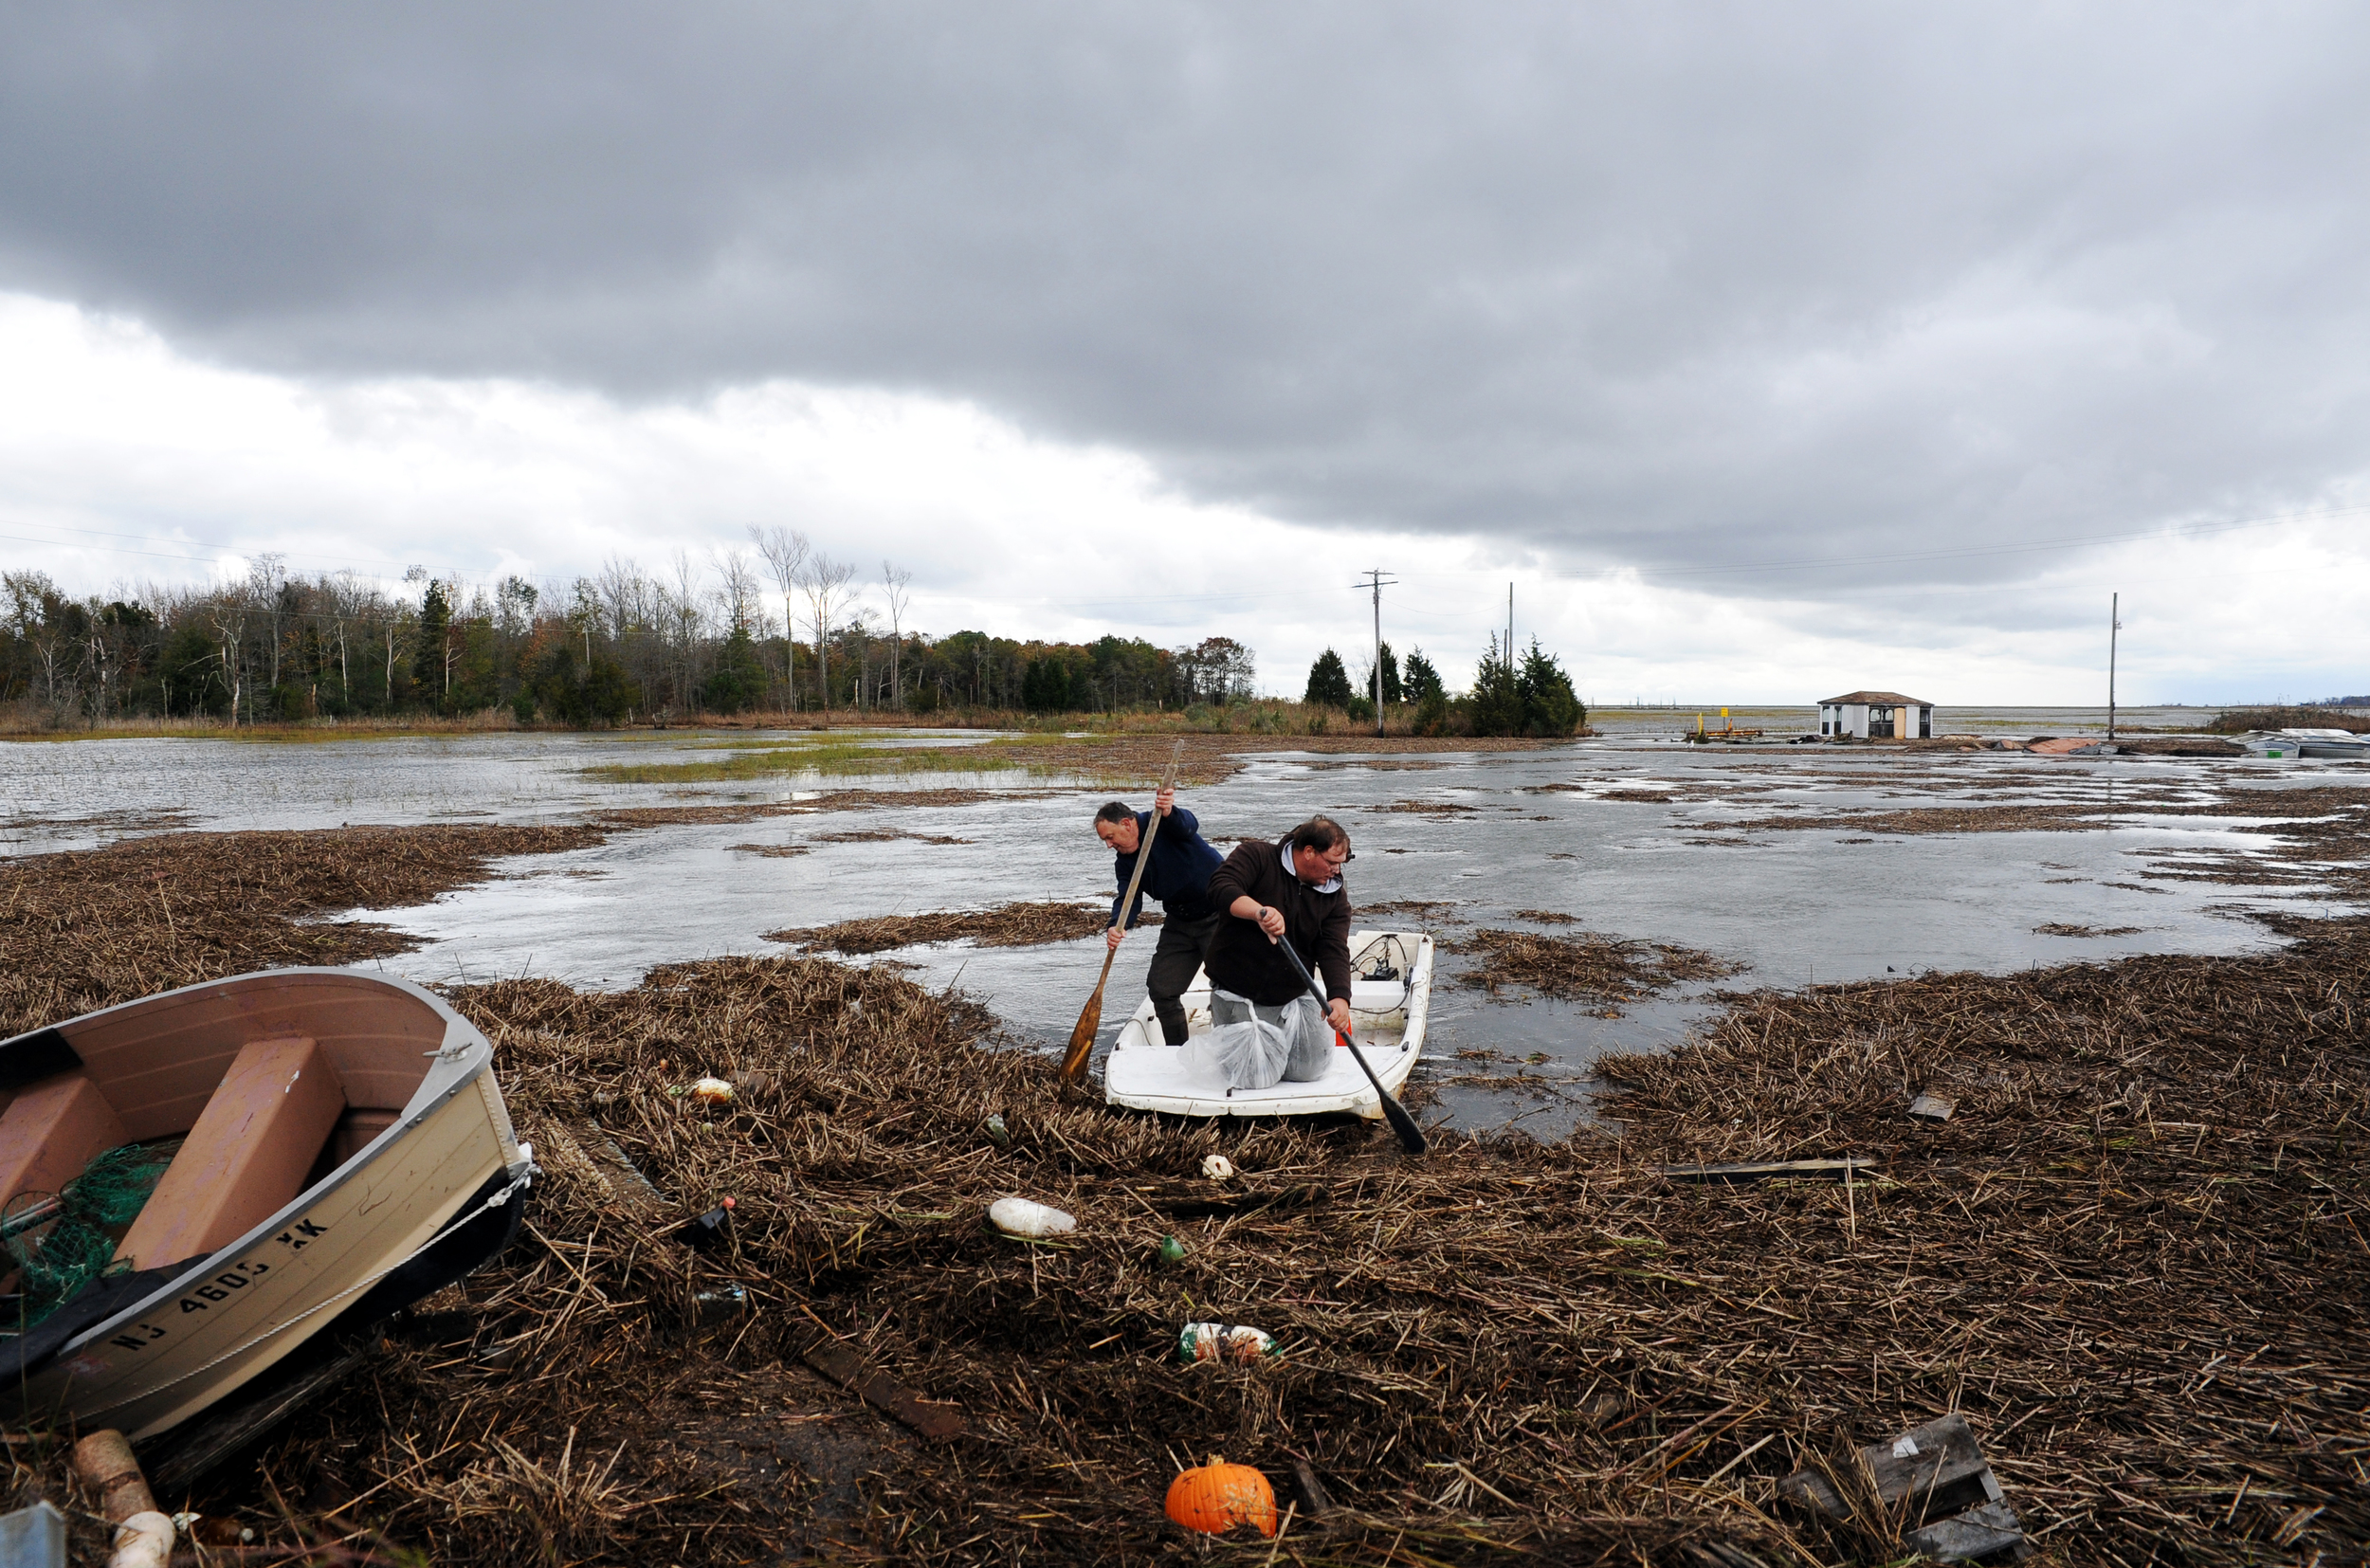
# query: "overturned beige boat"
[[343, 1151]]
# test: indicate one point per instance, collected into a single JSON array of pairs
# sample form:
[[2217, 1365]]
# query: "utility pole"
[[1378, 580], [2114, 624], [1509, 627]]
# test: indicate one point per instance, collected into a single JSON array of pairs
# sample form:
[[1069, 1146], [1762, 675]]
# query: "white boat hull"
[[1147, 1074]]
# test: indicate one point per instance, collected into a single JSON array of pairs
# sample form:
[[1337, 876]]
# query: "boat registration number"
[[223, 1287]]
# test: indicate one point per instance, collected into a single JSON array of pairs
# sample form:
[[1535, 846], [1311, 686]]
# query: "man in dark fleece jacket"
[[1178, 875], [1290, 890]]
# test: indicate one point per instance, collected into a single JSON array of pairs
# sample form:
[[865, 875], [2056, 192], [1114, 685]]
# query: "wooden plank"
[[852, 1372], [1976, 1533], [189, 1451], [260, 1132], [583, 1155], [1313, 1501], [1763, 1169], [52, 1131], [1939, 1468], [1814, 1490]]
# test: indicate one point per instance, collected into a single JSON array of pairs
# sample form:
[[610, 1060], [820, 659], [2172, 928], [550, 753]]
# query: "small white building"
[[1876, 716]]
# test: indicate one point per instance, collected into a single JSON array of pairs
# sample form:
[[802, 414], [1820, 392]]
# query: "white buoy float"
[[1020, 1216]]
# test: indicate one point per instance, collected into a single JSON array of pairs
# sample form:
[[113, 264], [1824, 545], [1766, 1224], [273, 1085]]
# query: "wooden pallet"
[[1937, 1478]]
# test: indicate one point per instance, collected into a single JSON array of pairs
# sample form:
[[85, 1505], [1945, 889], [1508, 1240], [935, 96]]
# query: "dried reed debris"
[[1024, 924], [885, 835], [1603, 968], [84, 929]]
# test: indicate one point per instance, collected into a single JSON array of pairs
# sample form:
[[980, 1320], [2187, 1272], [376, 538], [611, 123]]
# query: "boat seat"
[[51, 1130], [247, 1155]]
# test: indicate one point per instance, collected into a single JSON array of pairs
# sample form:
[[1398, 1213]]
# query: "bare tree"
[[785, 551], [893, 588], [266, 581], [686, 621], [824, 581], [738, 593], [345, 598], [227, 612]]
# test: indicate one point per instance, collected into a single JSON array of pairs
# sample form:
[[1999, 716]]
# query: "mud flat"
[[2133, 1257]]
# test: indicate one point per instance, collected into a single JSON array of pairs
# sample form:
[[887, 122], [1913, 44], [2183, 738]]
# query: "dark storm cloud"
[[1651, 285]]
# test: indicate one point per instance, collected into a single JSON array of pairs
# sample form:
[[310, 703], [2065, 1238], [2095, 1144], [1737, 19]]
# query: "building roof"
[[1882, 698]]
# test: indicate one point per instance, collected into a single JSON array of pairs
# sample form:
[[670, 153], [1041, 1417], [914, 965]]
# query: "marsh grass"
[[795, 759], [1110, 759]]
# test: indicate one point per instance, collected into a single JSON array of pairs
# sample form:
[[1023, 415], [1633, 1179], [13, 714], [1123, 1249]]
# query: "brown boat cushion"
[[246, 1157], [51, 1130]]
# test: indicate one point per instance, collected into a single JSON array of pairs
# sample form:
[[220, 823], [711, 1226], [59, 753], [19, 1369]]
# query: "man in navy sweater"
[[1179, 875]]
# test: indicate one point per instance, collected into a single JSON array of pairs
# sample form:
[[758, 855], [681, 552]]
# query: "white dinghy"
[[1390, 999]]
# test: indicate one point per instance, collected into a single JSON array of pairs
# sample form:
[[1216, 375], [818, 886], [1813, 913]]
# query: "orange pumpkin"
[[1218, 1496]]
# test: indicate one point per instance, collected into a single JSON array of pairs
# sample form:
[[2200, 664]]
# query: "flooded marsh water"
[[1634, 837]]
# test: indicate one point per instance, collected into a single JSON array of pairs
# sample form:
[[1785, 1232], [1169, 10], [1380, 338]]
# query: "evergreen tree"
[[1423, 681], [738, 682], [1550, 707], [427, 656], [1496, 704], [1393, 690], [1329, 682], [1044, 686]]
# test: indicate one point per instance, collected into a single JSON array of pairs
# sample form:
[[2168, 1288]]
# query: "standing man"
[[1290, 892], [1178, 875]]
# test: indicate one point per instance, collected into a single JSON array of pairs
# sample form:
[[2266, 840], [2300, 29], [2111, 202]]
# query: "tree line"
[[621, 646], [1532, 696]]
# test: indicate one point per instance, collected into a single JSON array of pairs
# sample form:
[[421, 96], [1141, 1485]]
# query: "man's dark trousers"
[[1174, 963]]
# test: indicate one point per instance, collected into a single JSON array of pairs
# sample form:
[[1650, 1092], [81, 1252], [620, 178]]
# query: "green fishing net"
[[63, 1244]]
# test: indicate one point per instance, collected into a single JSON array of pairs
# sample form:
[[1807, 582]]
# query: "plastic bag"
[[1250, 1046]]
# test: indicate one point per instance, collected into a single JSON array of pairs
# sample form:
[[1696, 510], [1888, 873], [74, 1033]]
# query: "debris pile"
[[1024, 924], [1606, 968]]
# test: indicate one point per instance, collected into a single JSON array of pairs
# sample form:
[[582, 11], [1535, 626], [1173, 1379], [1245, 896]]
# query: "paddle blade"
[[1411, 1136], [1081, 1039]]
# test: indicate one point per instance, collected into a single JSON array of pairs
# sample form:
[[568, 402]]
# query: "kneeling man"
[[1291, 892]]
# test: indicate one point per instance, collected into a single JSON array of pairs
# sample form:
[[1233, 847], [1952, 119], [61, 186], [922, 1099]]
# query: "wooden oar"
[[1081, 1039], [1411, 1136]]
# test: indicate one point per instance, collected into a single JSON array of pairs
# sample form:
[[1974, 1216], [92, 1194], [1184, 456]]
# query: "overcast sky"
[[1764, 348]]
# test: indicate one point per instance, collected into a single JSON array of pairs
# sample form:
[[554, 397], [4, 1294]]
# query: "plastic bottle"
[[716, 1305], [1225, 1343]]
